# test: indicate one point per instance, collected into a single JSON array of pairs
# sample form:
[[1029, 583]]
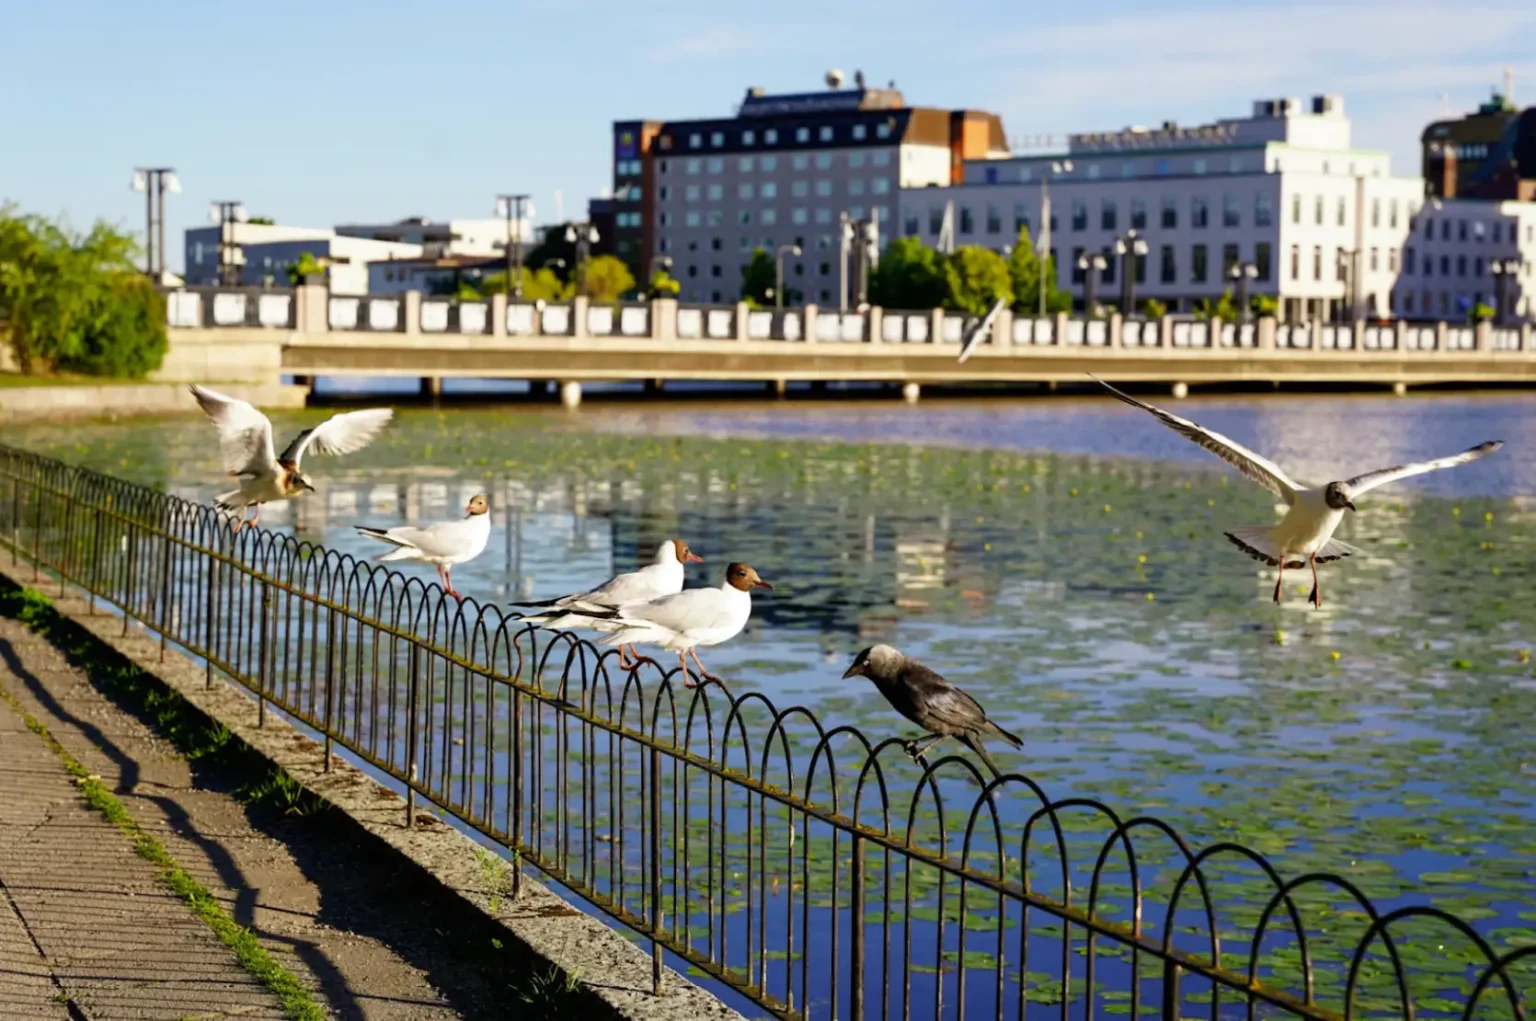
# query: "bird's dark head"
[[1338, 496], [477, 505], [875, 661], [293, 480], [744, 578], [683, 554]]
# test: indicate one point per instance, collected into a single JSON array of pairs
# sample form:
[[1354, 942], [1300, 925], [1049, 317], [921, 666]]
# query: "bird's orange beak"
[[692, 558], [760, 583]]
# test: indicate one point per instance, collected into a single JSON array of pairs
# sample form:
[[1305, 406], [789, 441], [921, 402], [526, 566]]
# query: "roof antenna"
[[1509, 87]]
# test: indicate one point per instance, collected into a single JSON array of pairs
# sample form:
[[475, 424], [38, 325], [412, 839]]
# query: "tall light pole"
[[1043, 241], [1348, 264], [778, 275], [1091, 265], [514, 209], [583, 235], [1504, 272], [1131, 247], [226, 214], [659, 264], [154, 182], [1240, 274]]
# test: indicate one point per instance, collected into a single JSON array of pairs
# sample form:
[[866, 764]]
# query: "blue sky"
[[321, 113]]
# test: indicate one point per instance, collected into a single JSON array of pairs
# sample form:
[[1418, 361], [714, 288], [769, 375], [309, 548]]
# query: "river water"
[[1061, 559]]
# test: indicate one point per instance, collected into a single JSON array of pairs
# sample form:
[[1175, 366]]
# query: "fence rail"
[[813, 869]]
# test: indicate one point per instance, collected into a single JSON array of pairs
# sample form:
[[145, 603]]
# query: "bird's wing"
[[245, 434], [339, 434], [636, 586], [1255, 466], [1370, 480], [693, 609], [979, 329]]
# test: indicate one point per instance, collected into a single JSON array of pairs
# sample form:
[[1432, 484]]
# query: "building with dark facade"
[[1489, 154]]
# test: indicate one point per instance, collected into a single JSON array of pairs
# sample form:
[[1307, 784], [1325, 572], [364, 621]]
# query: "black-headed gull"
[[442, 544], [245, 444], [1305, 535], [922, 695], [685, 620], [662, 577]]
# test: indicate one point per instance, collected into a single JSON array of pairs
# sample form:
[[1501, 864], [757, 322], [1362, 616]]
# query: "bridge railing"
[[815, 869]]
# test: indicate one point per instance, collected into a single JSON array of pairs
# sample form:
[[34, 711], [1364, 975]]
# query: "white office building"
[[264, 253], [1324, 226]]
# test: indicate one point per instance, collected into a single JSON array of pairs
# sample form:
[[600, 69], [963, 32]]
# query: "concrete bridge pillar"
[[570, 394], [1180, 391], [410, 312], [911, 392], [430, 386], [499, 315], [1265, 331]]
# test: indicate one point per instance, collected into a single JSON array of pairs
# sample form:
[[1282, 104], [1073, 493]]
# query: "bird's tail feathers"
[[381, 534], [1259, 543], [1336, 549], [972, 742], [231, 501], [565, 618], [1013, 739], [398, 553]]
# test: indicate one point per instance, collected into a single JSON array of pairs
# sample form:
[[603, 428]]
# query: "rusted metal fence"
[[813, 869]]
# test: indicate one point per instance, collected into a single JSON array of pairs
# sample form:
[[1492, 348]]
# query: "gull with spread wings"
[[1305, 535], [245, 445]]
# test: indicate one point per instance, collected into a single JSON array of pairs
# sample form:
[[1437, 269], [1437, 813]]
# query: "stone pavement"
[[84, 919]]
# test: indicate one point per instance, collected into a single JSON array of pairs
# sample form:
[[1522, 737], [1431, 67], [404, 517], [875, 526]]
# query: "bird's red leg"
[[625, 663], [1317, 594], [703, 670], [682, 657], [256, 521], [448, 582], [1280, 578]]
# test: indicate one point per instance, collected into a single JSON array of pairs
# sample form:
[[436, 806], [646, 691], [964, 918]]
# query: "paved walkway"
[[83, 918]]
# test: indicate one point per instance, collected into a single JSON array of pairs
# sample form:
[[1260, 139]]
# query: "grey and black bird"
[[923, 696]]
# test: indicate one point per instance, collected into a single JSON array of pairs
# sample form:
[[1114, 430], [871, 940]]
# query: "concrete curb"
[[613, 972]]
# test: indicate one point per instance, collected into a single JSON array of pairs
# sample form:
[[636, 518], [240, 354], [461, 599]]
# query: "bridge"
[[259, 336]]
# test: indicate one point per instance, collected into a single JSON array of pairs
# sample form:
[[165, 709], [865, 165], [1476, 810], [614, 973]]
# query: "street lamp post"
[[1043, 240], [659, 264], [154, 182], [1504, 272], [778, 274], [1347, 267], [1240, 273], [515, 209], [583, 235], [1130, 247], [226, 214], [1091, 265]]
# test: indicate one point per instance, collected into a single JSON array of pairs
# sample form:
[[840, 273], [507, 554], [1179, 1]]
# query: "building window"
[[768, 164], [1199, 268], [856, 212], [1461, 231], [967, 221], [880, 186], [744, 217], [824, 269], [716, 165], [693, 271], [823, 160], [1230, 214], [802, 135], [1391, 260], [664, 192], [691, 219], [856, 159], [693, 166], [1341, 206], [1139, 213], [1375, 212], [1295, 262], [1169, 272], [695, 141], [771, 136], [1296, 208], [749, 137], [883, 129], [799, 189], [799, 215], [1263, 210], [1093, 171], [1263, 260], [856, 186], [691, 193], [1229, 258], [1128, 168], [1374, 259], [1170, 211], [1477, 266], [717, 139], [1445, 230], [1078, 273], [1392, 222], [1199, 214], [883, 214], [768, 217], [1498, 232], [1461, 265], [826, 132], [1020, 217], [1317, 211], [744, 190], [1429, 265], [994, 219], [1317, 263], [768, 190], [665, 219], [716, 192], [824, 188], [1111, 260], [714, 218], [1079, 214], [1199, 167], [664, 165], [881, 158], [744, 164], [935, 219], [1107, 215], [714, 271], [859, 131], [823, 215]]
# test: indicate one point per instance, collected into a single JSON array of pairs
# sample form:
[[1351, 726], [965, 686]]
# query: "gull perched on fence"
[[442, 544], [1305, 535], [245, 445], [922, 695], [661, 577]]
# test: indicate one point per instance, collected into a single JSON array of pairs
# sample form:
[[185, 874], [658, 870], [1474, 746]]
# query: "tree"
[[1264, 305], [306, 266], [553, 248], [1025, 278], [1223, 308], [910, 275], [538, 285], [975, 278], [1153, 309], [608, 279], [262, 221], [1480, 312], [69, 299], [757, 278]]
